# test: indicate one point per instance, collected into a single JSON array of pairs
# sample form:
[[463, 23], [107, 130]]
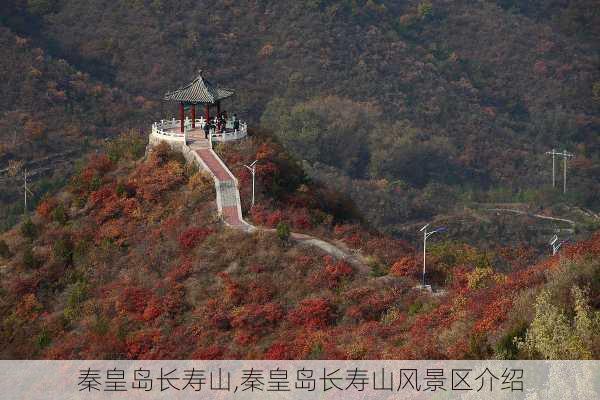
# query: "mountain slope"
[[130, 262], [461, 97]]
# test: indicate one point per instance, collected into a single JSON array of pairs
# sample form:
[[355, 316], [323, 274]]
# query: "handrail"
[[170, 128]]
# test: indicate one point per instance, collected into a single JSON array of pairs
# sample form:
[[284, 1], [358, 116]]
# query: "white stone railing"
[[170, 129], [230, 134]]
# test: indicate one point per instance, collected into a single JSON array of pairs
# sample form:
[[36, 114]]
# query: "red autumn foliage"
[[140, 345], [274, 218], [336, 271], [133, 301], [406, 266], [256, 319], [45, 208], [280, 351], [192, 237], [181, 272], [232, 290], [300, 218], [314, 313]]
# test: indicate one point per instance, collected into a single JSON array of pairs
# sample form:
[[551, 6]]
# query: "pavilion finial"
[[200, 72]]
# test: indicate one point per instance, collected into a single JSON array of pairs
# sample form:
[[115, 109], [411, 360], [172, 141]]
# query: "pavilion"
[[199, 92]]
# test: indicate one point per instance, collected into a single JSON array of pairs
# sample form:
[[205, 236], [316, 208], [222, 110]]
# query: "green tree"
[[596, 92], [29, 230], [283, 232], [4, 249], [330, 130], [59, 214], [425, 9], [29, 258], [554, 335], [63, 251]]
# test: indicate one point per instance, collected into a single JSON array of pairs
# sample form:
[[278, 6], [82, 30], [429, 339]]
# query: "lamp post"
[[252, 169], [556, 244], [425, 236]]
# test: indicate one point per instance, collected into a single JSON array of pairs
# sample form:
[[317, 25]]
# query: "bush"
[[29, 230], [312, 314], [59, 214], [130, 146], [192, 237], [77, 294], [283, 232], [29, 259], [4, 249], [63, 251]]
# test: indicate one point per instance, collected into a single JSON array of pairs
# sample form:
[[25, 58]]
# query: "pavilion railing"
[[172, 129]]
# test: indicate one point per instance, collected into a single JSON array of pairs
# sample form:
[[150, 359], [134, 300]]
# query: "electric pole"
[[553, 153], [25, 191], [252, 169], [565, 156], [425, 236]]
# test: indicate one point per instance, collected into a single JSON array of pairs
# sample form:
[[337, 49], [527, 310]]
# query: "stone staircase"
[[226, 185]]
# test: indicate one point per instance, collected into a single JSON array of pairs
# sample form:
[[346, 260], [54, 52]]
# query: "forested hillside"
[[427, 109], [131, 262]]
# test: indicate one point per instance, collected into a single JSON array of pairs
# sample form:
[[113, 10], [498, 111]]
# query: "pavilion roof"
[[200, 90]]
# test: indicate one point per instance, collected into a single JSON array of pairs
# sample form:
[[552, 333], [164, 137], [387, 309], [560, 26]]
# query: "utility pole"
[[252, 169], [25, 190], [565, 156], [425, 236], [553, 153]]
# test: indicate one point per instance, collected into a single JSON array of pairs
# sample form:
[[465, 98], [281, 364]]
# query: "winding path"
[[229, 204]]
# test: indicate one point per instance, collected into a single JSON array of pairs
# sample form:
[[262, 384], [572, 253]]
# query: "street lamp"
[[252, 169], [556, 244], [425, 236]]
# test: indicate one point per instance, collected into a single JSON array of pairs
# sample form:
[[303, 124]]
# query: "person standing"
[[236, 123], [206, 129]]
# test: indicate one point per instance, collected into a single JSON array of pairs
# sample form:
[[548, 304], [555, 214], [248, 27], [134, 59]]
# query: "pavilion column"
[[207, 112], [219, 115], [182, 117], [193, 116]]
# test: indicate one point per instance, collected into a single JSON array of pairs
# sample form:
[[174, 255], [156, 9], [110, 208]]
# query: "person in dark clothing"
[[206, 129], [236, 123]]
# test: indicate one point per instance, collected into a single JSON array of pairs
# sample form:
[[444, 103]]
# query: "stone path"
[[229, 204], [228, 196]]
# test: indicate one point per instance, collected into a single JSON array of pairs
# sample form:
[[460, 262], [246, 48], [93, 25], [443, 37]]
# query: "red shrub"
[[133, 300], [336, 272], [406, 266], [45, 208], [233, 292], [280, 351], [191, 237], [274, 218], [181, 272], [312, 313], [301, 219], [256, 318], [151, 312]]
